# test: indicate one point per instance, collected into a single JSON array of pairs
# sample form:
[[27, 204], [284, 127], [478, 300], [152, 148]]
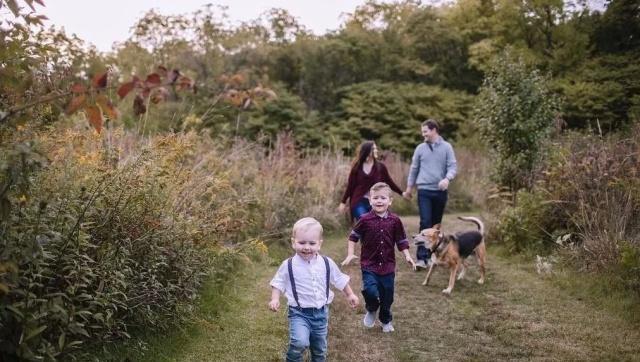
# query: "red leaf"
[[138, 105], [78, 88], [153, 78], [95, 116], [185, 83], [76, 103], [107, 107], [100, 80], [159, 95], [125, 89]]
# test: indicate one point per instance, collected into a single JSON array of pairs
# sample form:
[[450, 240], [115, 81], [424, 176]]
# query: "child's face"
[[307, 242], [380, 200]]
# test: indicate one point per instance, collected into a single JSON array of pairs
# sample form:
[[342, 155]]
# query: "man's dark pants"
[[431, 205]]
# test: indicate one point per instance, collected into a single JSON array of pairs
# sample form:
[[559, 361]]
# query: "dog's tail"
[[474, 220]]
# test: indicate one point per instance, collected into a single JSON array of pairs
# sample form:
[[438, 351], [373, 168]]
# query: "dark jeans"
[[362, 207], [377, 291], [431, 205]]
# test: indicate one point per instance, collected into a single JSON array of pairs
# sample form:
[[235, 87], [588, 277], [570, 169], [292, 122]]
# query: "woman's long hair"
[[363, 151]]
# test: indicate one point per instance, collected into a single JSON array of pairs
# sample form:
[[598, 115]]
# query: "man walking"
[[433, 166]]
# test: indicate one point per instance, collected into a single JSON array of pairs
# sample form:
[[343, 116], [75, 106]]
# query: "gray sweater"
[[430, 165]]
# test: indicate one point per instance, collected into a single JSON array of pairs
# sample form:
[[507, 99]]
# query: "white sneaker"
[[386, 328], [369, 319], [420, 264]]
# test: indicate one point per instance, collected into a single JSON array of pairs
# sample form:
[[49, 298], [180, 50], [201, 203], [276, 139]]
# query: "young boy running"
[[378, 230], [304, 279]]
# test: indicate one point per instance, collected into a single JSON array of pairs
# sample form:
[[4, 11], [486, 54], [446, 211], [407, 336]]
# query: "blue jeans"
[[377, 291], [362, 207], [308, 328], [431, 204]]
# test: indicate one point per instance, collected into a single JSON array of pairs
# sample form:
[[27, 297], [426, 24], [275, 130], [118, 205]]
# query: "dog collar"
[[441, 241]]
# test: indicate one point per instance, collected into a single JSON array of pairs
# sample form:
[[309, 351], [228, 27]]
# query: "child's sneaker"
[[388, 327], [369, 319]]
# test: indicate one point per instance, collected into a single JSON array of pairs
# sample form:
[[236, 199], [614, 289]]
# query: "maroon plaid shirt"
[[378, 236]]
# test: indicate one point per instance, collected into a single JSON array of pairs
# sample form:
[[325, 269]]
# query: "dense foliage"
[[516, 112]]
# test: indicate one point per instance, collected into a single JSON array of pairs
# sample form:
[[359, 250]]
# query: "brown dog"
[[451, 250]]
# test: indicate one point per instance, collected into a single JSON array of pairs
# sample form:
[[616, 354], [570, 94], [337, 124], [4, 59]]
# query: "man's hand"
[[407, 195], [411, 262], [274, 304], [348, 259], [443, 184]]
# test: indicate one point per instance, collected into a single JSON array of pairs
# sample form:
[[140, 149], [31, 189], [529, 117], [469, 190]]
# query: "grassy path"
[[516, 315]]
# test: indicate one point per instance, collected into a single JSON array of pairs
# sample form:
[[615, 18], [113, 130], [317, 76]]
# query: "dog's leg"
[[481, 254], [426, 279], [463, 269], [452, 279]]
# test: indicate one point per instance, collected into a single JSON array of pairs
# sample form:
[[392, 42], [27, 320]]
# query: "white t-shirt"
[[310, 278]]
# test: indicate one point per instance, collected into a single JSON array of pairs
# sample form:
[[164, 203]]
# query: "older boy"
[[305, 279], [379, 231]]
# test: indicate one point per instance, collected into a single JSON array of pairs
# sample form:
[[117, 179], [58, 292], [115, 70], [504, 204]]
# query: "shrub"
[[515, 113], [523, 227], [118, 231]]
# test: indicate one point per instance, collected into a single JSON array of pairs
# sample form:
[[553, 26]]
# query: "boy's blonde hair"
[[380, 186], [304, 224]]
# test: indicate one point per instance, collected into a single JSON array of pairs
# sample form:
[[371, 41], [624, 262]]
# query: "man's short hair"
[[432, 124], [304, 224], [380, 186]]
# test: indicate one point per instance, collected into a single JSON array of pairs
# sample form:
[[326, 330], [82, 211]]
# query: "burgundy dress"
[[359, 183]]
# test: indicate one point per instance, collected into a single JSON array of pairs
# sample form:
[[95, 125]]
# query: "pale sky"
[[104, 22]]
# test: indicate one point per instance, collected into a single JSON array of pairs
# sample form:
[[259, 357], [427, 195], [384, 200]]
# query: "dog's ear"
[[437, 226], [441, 235]]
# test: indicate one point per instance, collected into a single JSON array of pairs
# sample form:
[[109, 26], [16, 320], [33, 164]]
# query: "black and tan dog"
[[451, 250]]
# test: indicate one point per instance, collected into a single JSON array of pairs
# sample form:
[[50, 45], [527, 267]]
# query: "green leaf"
[[61, 341], [35, 332], [15, 311]]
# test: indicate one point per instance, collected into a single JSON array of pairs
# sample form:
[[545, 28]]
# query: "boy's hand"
[[348, 259], [411, 262], [353, 300], [274, 304]]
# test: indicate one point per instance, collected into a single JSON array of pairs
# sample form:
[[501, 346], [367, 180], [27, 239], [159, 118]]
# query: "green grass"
[[516, 315]]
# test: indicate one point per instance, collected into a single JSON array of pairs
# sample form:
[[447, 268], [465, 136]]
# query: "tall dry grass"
[[119, 231]]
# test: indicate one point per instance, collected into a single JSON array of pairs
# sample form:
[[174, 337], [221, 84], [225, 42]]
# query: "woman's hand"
[[342, 207]]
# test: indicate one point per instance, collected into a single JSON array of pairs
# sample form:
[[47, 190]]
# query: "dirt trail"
[[516, 315]]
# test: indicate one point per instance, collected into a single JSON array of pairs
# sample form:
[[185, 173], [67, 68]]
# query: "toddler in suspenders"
[[305, 280]]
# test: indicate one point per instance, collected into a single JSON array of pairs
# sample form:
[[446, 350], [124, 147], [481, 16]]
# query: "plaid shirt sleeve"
[[400, 236], [357, 231]]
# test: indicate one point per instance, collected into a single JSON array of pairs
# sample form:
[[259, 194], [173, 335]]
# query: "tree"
[[391, 114], [515, 112]]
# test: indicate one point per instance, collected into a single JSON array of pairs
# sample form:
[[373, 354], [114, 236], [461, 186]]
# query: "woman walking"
[[366, 171]]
